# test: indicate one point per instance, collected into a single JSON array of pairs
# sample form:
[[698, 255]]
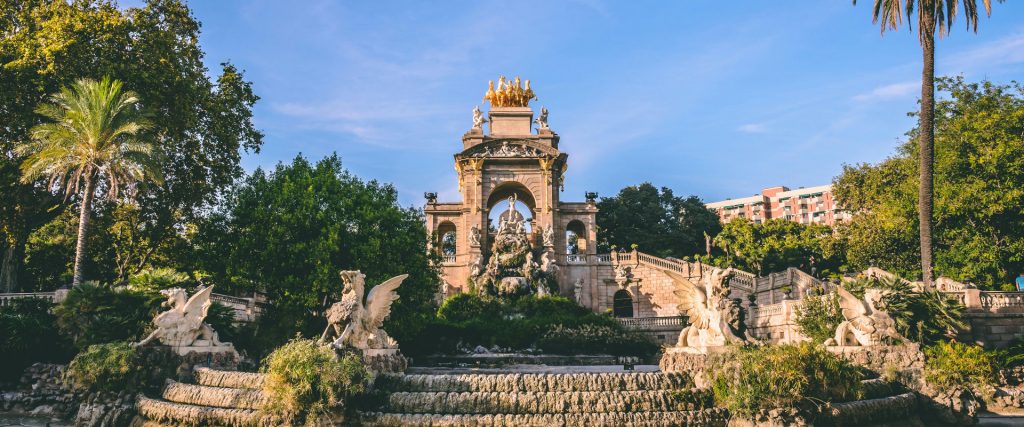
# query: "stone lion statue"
[[358, 323], [866, 323]]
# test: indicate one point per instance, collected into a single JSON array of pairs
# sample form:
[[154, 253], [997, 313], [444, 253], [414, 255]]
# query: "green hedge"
[[120, 366], [466, 321]]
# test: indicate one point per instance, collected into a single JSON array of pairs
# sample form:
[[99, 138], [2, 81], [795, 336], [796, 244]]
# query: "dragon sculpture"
[[356, 323], [715, 320], [867, 323], [182, 327]]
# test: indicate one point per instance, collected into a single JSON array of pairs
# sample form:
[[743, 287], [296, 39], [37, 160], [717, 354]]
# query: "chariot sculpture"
[[356, 323], [867, 323], [182, 326]]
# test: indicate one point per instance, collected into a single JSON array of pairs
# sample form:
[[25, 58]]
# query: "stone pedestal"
[[385, 360], [515, 121], [880, 357], [691, 360]]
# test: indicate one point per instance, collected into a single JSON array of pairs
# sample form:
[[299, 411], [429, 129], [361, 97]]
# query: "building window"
[[622, 304]]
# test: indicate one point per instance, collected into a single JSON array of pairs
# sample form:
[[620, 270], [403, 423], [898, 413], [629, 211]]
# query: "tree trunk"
[[926, 146], [9, 268], [83, 224]]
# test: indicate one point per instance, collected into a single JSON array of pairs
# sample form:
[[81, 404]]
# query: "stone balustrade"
[[651, 323], [575, 259], [6, 299], [448, 259]]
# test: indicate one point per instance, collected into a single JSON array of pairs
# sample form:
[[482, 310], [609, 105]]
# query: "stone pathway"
[[1007, 419], [533, 369]]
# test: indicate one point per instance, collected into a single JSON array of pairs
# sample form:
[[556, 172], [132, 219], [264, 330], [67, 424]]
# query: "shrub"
[[94, 314], [307, 381], [749, 379], [951, 365], [595, 339], [819, 316], [28, 334], [119, 366], [157, 279]]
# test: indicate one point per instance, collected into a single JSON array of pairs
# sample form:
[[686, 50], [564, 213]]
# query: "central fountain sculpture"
[[358, 324], [512, 269]]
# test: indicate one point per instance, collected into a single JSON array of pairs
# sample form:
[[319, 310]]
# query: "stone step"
[[229, 379], [713, 417], [220, 397], [551, 402], [520, 382], [901, 409], [159, 412]]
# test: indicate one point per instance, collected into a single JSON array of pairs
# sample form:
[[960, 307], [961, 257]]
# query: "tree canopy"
[[658, 222], [289, 232], [979, 190], [200, 124], [778, 244]]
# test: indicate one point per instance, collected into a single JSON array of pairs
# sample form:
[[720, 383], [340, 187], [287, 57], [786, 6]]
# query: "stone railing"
[[603, 258], [575, 259], [769, 309], [448, 259], [6, 299], [648, 323], [246, 309], [1000, 301]]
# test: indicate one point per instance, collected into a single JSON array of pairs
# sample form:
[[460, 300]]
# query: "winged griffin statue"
[[358, 324], [182, 327], [715, 320], [867, 323]]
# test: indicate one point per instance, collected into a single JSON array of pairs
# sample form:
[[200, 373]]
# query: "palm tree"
[[933, 16], [96, 135]]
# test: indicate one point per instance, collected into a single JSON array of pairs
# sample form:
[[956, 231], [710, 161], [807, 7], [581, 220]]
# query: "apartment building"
[[810, 205]]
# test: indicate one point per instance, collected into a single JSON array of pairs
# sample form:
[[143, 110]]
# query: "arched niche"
[[575, 237], [447, 238], [497, 203], [622, 304]]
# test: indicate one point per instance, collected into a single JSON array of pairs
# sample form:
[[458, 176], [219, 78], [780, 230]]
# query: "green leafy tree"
[[979, 169], [96, 137], [778, 244], [658, 222], [201, 118], [288, 233], [933, 17]]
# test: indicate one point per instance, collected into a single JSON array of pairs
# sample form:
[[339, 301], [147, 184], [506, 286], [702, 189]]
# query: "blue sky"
[[716, 99]]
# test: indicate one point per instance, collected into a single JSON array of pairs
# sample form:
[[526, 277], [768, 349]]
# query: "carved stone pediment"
[[509, 148]]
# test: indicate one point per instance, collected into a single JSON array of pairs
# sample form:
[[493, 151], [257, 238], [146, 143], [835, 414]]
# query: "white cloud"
[[890, 91], [753, 128]]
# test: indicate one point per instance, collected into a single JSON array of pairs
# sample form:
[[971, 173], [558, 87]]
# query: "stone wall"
[[993, 330]]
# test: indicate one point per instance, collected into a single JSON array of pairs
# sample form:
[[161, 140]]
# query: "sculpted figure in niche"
[[548, 236], [356, 323], [577, 291], [867, 323], [474, 236]]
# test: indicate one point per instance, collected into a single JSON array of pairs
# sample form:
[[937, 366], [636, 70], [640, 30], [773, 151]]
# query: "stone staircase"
[[538, 399], [218, 398]]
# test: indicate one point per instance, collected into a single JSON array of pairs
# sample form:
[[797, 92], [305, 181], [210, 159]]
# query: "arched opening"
[[447, 239], [575, 238], [622, 304], [497, 204]]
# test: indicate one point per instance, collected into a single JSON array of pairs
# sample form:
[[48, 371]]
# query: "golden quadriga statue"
[[509, 93]]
